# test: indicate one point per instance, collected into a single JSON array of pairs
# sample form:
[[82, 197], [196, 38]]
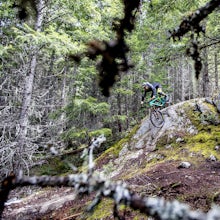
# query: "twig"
[[72, 216], [96, 143]]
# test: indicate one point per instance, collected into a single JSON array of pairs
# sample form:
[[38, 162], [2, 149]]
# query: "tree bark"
[[27, 95], [119, 112], [216, 72], [205, 75]]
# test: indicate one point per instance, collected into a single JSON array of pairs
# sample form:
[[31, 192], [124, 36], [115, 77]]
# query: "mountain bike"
[[156, 116]]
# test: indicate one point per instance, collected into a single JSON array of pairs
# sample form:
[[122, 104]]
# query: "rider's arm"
[[144, 95]]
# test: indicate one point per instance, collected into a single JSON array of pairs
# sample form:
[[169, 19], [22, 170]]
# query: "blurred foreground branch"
[[89, 182], [113, 53], [157, 208], [192, 22]]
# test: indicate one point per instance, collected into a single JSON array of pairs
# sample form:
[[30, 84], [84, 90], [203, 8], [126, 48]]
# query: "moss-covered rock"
[[190, 133]]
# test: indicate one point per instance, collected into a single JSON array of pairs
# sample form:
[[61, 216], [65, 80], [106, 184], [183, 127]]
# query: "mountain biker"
[[155, 88]]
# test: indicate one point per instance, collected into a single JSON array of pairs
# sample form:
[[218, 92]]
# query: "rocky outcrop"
[[178, 122]]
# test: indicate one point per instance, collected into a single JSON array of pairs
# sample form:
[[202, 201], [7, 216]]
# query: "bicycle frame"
[[159, 101]]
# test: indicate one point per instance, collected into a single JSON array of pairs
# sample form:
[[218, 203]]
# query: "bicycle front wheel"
[[156, 118]]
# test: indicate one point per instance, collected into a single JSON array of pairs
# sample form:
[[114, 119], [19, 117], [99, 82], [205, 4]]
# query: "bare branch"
[[96, 143], [157, 208]]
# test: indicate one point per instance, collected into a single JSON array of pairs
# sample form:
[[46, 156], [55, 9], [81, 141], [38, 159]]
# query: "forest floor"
[[198, 186]]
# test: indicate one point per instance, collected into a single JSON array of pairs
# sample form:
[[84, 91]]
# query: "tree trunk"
[[27, 95], [216, 72], [119, 112], [182, 79], [205, 76], [176, 84]]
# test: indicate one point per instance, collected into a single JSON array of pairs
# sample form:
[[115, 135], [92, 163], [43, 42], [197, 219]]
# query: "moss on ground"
[[105, 211], [201, 119], [192, 149], [202, 144], [114, 151], [57, 165]]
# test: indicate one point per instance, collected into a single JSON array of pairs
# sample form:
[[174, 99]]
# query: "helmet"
[[146, 84]]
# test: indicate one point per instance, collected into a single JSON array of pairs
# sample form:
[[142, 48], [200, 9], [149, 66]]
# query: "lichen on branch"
[[91, 182]]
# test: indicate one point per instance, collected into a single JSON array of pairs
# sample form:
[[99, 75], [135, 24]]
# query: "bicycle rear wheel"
[[156, 118]]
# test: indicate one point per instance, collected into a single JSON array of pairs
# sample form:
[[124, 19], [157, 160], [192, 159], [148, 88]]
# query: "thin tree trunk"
[[176, 85], [119, 112], [191, 90], [182, 77], [205, 78], [127, 111], [216, 72], [64, 97]]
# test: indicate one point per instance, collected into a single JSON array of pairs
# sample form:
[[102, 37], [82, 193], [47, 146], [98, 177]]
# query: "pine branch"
[[191, 23]]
